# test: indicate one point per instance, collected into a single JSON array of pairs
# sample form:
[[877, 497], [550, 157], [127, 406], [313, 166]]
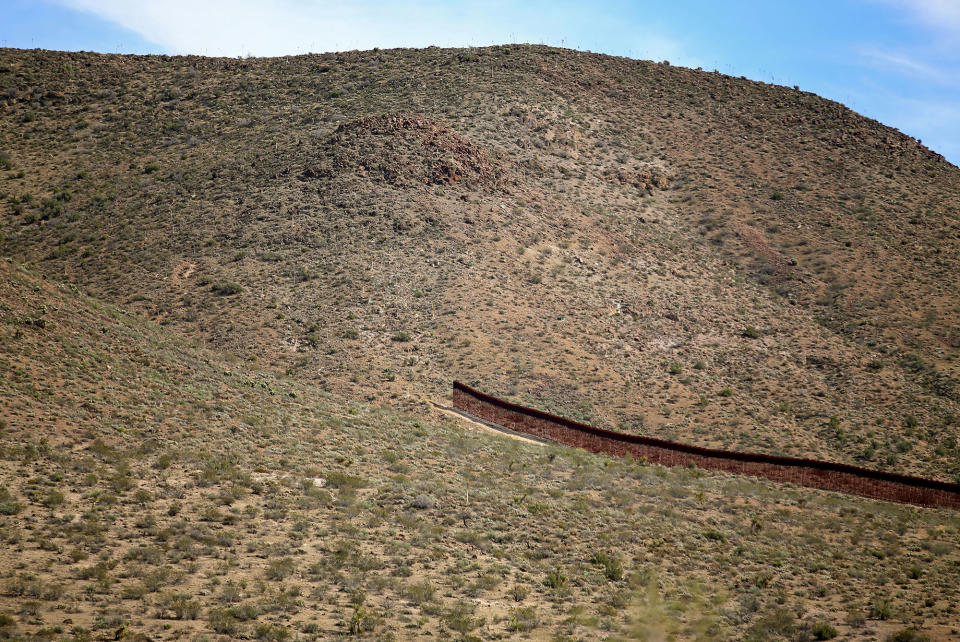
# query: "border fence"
[[804, 472]]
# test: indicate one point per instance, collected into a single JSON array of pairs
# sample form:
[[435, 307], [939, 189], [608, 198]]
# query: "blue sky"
[[893, 60]]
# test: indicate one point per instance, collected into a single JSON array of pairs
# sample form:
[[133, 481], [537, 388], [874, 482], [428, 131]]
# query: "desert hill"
[[650, 248], [151, 488]]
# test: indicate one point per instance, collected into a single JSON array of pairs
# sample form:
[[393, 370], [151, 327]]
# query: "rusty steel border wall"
[[804, 472]]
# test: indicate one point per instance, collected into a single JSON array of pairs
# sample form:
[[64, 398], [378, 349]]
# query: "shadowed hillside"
[[649, 248]]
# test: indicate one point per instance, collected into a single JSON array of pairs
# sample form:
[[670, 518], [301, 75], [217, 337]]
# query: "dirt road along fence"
[[804, 472]]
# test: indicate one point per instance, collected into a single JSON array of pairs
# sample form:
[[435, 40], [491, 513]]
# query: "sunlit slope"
[[151, 489], [649, 248]]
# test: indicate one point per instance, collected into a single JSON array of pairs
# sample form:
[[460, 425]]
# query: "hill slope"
[[656, 249], [151, 489]]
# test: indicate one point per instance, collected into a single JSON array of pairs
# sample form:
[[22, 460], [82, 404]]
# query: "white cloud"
[[239, 27], [909, 65], [940, 15], [282, 27]]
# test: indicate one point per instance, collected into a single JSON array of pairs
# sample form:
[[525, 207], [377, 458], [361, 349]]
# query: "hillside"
[[650, 248], [152, 489]]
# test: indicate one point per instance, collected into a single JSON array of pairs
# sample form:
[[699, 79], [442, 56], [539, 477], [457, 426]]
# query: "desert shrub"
[[423, 502], [244, 612], [402, 336], [823, 631], [882, 609], [556, 579], [179, 606], [776, 624], [362, 620], [99, 571], [937, 548], [280, 569], [340, 480], [271, 632], [30, 586], [218, 470], [523, 618], [223, 623], [49, 208], [715, 535], [53, 498], [419, 592], [30, 607], [914, 363], [122, 480], [8, 506], [158, 578], [232, 592], [303, 274], [356, 620], [519, 592], [285, 600], [486, 582], [460, 618], [855, 618], [318, 494], [909, 634], [612, 568], [227, 288], [135, 591], [147, 554], [78, 555]]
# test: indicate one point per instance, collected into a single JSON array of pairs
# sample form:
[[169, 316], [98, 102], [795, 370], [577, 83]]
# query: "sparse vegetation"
[[189, 457], [226, 288]]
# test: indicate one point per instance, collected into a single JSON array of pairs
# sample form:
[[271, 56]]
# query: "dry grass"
[[219, 425], [612, 219], [162, 490]]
